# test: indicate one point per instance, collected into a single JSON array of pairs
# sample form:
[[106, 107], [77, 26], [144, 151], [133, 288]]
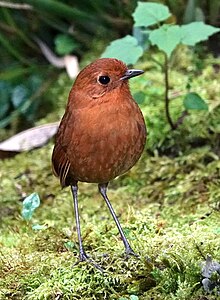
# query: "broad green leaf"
[[30, 203], [150, 13], [125, 49], [166, 38], [196, 32], [195, 102], [64, 44]]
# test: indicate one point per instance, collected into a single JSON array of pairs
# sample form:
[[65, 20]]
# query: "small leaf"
[[134, 297], [194, 101], [30, 203], [64, 44], [125, 49], [19, 95], [166, 38], [150, 13], [69, 245], [196, 32], [38, 227], [139, 97]]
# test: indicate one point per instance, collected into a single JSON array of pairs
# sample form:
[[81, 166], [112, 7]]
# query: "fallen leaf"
[[27, 140]]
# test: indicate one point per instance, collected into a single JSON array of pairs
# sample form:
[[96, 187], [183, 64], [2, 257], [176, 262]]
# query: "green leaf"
[[30, 203], [139, 97], [167, 37], [125, 49], [19, 95], [134, 297], [150, 13], [69, 245], [38, 227], [195, 102], [64, 44], [196, 32]]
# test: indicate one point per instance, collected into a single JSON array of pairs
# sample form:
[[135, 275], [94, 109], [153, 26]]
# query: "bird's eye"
[[104, 79]]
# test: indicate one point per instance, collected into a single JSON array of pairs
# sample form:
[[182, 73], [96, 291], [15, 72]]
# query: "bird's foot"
[[130, 252], [84, 257]]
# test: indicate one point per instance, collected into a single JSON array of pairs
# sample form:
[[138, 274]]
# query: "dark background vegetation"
[[88, 26]]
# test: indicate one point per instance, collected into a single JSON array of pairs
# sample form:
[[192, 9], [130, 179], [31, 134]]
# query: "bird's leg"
[[103, 190], [82, 254]]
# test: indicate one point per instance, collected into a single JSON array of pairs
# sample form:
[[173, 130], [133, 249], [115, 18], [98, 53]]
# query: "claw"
[[84, 257]]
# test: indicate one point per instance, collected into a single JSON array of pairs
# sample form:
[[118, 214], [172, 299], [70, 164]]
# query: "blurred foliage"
[[20, 101], [151, 29], [82, 28], [65, 28], [201, 128]]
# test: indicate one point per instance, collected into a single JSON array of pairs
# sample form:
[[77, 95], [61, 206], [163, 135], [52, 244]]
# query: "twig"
[[50, 56], [181, 118], [166, 77], [15, 5]]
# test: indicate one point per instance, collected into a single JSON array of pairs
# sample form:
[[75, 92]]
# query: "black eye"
[[104, 79]]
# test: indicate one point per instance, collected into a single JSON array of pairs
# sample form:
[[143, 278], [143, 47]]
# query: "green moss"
[[168, 214]]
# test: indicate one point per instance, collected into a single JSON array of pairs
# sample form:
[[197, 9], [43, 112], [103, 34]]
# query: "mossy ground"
[[168, 205]]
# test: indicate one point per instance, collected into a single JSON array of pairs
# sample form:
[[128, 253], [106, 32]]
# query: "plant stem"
[[167, 100]]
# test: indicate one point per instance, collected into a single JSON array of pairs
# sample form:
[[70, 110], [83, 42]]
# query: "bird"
[[102, 134]]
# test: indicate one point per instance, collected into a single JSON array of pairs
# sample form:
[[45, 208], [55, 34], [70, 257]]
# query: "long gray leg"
[[82, 254], [103, 191]]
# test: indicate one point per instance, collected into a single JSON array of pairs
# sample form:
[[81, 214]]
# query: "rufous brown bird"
[[102, 133]]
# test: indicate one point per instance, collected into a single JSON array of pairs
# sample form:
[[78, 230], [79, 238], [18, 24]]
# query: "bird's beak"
[[131, 73]]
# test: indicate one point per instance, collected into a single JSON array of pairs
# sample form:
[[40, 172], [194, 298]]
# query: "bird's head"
[[101, 77]]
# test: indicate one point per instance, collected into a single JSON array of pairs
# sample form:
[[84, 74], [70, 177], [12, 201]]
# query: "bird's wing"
[[60, 161], [60, 164]]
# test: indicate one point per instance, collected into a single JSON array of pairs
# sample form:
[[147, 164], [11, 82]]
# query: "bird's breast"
[[105, 142]]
